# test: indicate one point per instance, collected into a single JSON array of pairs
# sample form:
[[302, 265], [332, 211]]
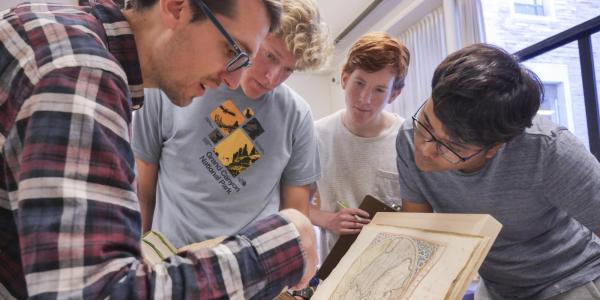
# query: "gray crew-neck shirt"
[[544, 187], [222, 159]]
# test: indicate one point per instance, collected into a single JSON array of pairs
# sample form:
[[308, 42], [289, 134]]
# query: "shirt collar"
[[121, 44]]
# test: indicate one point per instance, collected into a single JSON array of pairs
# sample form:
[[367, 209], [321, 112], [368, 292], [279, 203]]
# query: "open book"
[[372, 206], [412, 256], [156, 247]]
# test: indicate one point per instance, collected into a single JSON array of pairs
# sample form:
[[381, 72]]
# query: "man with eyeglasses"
[[476, 146], [245, 153], [68, 207]]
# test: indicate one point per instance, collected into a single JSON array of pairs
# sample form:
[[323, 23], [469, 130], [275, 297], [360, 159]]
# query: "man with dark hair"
[[476, 146], [68, 208]]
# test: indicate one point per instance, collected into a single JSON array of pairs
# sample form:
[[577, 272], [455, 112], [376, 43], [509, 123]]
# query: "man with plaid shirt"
[[69, 215]]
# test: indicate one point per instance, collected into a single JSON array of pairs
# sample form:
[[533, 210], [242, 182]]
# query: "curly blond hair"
[[305, 36]]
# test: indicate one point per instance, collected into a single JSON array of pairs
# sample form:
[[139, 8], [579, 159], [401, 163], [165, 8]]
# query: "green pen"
[[343, 204]]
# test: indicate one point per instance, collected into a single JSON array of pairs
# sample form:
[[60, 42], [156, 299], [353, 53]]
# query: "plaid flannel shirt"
[[69, 215]]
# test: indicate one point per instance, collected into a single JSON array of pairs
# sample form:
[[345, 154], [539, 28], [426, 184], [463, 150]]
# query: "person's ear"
[[491, 152], [394, 95], [171, 11], [344, 79]]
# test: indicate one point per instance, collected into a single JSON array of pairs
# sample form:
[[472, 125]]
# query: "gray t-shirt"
[[543, 186], [223, 158]]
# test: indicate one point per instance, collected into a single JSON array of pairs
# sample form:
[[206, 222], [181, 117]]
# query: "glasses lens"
[[448, 155], [441, 149], [422, 131], [241, 60]]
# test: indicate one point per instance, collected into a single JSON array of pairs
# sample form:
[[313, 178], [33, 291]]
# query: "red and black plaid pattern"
[[69, 215]]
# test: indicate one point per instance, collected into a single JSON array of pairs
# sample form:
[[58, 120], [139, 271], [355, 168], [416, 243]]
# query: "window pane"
[[558, 69], [530, 2], [596, 48], [514, 32], [526, 9], [550, 106], [563, 101]]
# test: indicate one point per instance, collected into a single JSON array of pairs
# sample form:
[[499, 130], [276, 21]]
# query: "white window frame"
[[549, 12], [556, 74]]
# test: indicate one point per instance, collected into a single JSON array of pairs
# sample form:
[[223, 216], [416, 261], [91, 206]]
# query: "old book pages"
[[156, 247], [372, 206], [412, 256]]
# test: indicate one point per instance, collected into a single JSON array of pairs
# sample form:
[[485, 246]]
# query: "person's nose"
[[273, 75], [232, 79], [365, 96], [428, 149]]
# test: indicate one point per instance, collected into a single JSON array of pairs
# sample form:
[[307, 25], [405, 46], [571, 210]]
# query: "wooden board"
[[341, 246], [412, 256]]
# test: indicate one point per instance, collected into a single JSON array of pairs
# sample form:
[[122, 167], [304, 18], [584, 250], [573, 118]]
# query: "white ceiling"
[[392, 16], [338, 14]]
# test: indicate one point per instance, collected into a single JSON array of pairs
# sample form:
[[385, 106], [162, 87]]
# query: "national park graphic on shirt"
[[233, 139]]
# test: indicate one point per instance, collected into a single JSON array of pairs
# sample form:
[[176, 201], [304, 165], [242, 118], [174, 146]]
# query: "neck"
[[371, 129], [476, 163], [474, 168]]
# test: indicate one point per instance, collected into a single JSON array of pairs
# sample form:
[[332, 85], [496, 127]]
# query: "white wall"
[[325, 96], [319, 91], [4, 4]]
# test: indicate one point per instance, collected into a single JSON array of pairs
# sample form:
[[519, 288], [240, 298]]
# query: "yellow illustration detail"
[[237, 152], [227, 117]]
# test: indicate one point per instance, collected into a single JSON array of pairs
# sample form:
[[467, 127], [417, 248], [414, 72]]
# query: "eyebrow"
[[378, 86], [445, 141], [276, 52]]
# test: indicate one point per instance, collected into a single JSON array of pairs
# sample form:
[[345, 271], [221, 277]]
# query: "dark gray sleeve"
[[407, 169], [572, 179], [147, 127], [304, 166]]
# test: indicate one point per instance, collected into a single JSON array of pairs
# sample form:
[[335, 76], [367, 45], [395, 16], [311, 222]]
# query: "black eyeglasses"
[[241, 58], [442, 149]]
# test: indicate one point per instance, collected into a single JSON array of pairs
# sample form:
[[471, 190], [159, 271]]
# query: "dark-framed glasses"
[[442, 149], [241, 59]]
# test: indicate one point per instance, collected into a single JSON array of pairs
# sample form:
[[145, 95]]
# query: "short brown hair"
[[221, 7], [376, 50]]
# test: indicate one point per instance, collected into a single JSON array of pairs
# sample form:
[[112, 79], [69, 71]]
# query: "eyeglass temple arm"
[[214, 20]]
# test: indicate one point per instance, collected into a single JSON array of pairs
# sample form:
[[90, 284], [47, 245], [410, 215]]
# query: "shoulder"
[[554, 145], [405, 141], [547, 135], [77, 39], [329, 122], [333, 118], [397, 122], [289, 99], [154, 100]]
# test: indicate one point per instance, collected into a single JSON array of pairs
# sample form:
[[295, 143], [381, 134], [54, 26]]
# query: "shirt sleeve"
[[304, 166], [572, 179], [150, 126], [407, 169], [77, 214]]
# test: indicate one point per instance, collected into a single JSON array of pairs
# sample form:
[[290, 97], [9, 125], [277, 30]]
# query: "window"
[[558, 69], [530, 7], [552, 107]]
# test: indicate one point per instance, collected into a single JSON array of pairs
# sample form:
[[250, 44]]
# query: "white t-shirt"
[[353, 167]]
